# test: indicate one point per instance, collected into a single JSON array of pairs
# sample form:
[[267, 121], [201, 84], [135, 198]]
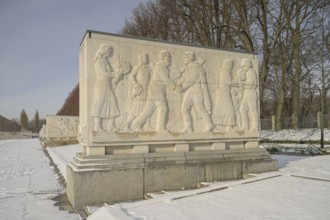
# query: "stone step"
[[89, 166], [89, 161]]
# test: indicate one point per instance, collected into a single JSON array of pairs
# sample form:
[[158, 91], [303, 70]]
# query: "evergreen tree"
[[24, 121], [36, 122]]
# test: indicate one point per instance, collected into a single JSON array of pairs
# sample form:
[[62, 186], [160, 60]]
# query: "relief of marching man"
[[193, 84], [236, 96]]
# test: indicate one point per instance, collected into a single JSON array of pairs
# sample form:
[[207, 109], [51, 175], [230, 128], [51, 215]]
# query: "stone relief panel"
[[61, 126], [172, 90]]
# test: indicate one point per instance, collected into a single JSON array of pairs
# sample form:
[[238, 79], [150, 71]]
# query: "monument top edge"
[[89, 33]]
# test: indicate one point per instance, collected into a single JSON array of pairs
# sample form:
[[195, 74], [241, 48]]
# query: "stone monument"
[[159, 116]]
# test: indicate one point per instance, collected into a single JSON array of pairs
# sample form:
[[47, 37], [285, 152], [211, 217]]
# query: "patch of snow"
[[311, 134], [274, 195], [110, 212]]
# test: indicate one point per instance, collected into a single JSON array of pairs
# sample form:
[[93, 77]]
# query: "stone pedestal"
[[115, 178]]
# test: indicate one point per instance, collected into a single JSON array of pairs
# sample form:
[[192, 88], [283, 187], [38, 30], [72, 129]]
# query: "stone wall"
[[59, 130]]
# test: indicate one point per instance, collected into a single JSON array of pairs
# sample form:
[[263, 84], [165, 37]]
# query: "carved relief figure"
[[140, 77], [193, 83], [157, 94], [224, 115], [237, 96], [249, 105], [104, 104]]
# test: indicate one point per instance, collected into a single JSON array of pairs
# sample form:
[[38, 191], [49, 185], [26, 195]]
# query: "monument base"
[[114, 178], [53, 142]]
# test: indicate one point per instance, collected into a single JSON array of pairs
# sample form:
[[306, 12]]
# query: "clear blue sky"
[[39, 49]]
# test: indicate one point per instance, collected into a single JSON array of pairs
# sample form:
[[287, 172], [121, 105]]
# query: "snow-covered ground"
[[310, 134], [28, 183], [303, 141], [299, 190]]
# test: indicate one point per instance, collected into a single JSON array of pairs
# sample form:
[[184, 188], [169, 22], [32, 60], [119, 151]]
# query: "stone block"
[[140, 149], [100, 150], [99, 186], [200, 146], [260, 166], [235, 145], [161, 148], [223, 171], [124, 149], [218, 146], [172, 177], [181, 147], [251, 144]]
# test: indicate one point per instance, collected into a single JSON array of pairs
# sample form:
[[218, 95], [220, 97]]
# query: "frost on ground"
[[290, 141], [310, 134], [27, 182]]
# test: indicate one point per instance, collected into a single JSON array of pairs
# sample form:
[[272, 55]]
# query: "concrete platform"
[[114, 178]]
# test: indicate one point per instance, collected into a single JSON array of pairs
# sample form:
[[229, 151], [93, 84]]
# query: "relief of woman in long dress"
[[140, 77], [224, 115], [104, 104]]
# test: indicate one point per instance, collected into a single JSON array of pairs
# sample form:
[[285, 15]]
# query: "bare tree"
[[281, 31], [285, 54], [300, 19], [199, 22]]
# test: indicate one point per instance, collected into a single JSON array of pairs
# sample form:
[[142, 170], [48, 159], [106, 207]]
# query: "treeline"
[[291, 38], [71, 104]]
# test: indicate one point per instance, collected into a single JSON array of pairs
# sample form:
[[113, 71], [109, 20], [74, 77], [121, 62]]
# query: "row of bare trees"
[[291, 38]]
